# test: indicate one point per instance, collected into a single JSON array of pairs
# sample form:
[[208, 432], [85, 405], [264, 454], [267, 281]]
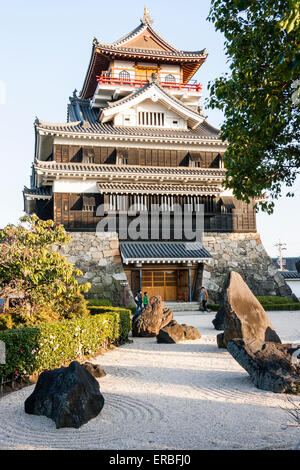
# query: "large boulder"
[[244, 316], [270, 365], [69, 395], [174, 333], [152, 319]]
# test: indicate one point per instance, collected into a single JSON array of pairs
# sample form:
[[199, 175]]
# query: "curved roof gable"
[[155, 92]]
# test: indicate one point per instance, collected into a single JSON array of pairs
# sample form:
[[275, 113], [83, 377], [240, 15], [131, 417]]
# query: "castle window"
[[124, 75], [87, 208], [151, 119], [89, 203], [170, 78]]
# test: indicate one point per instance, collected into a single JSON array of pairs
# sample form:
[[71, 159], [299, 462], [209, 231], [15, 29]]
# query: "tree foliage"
[[33, 273], [260, 97]]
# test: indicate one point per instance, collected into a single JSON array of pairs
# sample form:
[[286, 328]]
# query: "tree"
[[260, 98], [36, 276]]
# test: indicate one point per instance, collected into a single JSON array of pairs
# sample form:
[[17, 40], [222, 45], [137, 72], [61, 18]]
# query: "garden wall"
[[244, 253], [97, 255]]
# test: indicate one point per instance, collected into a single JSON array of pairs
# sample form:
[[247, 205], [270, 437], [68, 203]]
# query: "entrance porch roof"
[[163, 252]]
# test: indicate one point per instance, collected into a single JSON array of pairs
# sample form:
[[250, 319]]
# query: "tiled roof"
[[82, 119], [289, 263], [167, 189], [163, 251], [191, 55], [132, 170], [290, 274], [38, 192]]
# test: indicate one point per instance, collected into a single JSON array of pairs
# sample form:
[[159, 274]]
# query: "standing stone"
[[69, 395], [244, 316], [152, 319], [269, 365]]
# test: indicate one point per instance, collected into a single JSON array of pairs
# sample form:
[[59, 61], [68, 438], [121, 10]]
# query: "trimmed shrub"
[[270, 302], [124, 318], [214, 307], [99, 302], [50, 345]]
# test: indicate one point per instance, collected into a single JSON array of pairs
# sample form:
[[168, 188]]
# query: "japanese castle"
[[135, 136]]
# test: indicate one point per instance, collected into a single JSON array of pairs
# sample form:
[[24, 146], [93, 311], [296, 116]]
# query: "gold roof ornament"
[[146, 18]]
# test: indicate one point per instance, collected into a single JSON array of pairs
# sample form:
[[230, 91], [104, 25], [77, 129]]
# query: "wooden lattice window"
[[124, 75], [170, 78]]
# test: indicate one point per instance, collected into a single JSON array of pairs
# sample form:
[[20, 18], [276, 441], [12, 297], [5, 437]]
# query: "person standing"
[[145, 300], [139, 302], [204, 297]]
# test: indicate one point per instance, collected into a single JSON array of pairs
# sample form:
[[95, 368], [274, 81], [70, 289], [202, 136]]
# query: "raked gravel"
[[190, 395]]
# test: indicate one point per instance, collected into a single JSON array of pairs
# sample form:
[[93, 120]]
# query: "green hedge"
[[124, 315], [49, 345], [99, 302], [213, 306], [270, 302]]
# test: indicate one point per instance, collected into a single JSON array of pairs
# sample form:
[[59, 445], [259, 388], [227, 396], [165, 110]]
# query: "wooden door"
[[158, 282], [145, 73]]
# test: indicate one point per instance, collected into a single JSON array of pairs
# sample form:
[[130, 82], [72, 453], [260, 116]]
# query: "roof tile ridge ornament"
[[40, 123], [146, 20]]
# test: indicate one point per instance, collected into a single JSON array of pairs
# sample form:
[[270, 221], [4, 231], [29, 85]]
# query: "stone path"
[[168, 396]]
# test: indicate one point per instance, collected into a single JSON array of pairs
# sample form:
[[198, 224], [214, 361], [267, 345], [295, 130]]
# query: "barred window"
[[151, 119], [124, 75], [87, 208], [170, 78]]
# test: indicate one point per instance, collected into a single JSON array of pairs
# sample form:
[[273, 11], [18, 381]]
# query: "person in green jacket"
[[145, 300]]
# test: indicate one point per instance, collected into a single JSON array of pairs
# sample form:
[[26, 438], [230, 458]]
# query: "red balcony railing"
[[140, 82]]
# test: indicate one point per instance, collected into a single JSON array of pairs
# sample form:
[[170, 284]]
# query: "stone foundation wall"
[[244, 253], [97, 255]]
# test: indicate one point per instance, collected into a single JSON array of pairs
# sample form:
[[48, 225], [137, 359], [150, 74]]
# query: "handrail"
[[111, 80]]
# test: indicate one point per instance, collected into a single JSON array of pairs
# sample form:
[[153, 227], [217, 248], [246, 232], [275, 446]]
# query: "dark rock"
[[94, 369], [152, 319], [244, 316], [269, 365], [69, 395], [218, 321], [174, 333], [220, 341]]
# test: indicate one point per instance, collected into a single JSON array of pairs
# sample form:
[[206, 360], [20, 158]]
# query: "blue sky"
[[45, 48]]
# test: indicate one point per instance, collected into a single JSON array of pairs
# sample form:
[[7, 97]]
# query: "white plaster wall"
[[130, 116], [124, 65], [295, 286], [67, 186], [170, 69]]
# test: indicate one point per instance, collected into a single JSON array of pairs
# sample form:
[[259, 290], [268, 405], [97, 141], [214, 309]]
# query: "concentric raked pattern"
[[189, 395], [119, 414]]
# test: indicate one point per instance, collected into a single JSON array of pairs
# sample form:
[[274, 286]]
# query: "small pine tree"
[[40, 281]]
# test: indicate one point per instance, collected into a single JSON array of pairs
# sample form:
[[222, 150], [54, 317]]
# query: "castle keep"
[[136, 138]]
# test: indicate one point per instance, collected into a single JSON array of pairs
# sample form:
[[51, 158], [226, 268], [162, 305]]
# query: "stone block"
[[111, 253], [114, 244]]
